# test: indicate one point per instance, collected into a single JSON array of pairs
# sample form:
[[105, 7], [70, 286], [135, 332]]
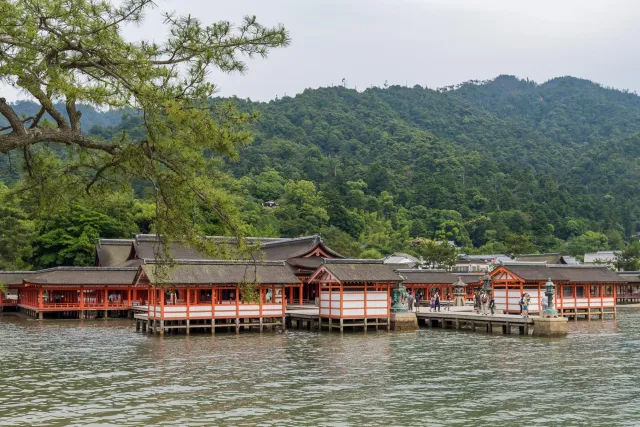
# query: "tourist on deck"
[[417, 301], [478, 302], [432, 303], [525, 305], [492, 306], [521, 303], [437, 297], [410, 300], [484, 300], [545, 302], [449, 301]]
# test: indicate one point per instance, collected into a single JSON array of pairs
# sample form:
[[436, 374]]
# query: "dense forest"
[[501, 166]]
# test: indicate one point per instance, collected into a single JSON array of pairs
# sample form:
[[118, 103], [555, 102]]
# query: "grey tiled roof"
[[427, 276], [205, 272], [350, 270], [83, 276]]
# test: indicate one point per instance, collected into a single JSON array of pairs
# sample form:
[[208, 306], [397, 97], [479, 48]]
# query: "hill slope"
[[505, 166]]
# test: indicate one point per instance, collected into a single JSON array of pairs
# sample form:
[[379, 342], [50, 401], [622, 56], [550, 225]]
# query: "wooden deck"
[[463, 318]]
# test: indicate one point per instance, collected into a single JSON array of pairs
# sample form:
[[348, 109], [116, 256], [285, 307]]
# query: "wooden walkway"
[[465, 319]]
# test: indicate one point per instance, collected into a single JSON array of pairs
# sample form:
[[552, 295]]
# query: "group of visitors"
[[483, 301], [524, 304], [435, 304]]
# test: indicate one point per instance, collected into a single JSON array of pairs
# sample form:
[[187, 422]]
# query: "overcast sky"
[[426, 42]]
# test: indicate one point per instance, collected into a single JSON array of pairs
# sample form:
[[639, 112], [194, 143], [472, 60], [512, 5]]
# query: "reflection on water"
[[97, 372]]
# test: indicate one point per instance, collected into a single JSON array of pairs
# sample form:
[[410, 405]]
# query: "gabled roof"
[[215, 272], [629, 276], [360, 270], [294, 248], [588, 273], [535, 272], [427, 276], [606, 256], [401, 258], [14, 277], [83, 276], [469, 278], [550, 258], [114, 252]]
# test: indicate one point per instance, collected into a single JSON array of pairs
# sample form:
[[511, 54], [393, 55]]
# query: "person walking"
[[417, 301], [449, 301], [410, 300], [432, 303], [437, 297], [478, 302], [492, 306]]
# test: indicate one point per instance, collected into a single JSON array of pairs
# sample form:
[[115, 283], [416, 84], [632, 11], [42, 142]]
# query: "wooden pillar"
[[301, 290], [365, 305], [588, 293], [106, 298], [341, 302], [161, 303], [261, 303], [291, 295], [238, 301], [41, 301], [188, 309], [284, 310]]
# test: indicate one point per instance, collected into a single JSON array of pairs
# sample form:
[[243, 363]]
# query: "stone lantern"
[[550, 311], [459, 292], [399, 293], [486, 285]]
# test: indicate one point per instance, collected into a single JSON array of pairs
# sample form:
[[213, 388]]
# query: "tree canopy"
[[64, 53]]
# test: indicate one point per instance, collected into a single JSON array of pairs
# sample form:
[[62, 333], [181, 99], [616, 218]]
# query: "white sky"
[[426, 42]]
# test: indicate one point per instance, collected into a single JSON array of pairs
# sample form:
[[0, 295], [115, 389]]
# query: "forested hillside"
[[505, 166]]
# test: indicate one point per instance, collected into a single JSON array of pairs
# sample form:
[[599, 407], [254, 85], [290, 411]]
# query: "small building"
[[478, 263], [355, 292], [210, 294], [73, 291], [629, 292], [600, 257], [426, 282], [303, 254], [402, 259], [580, 290]]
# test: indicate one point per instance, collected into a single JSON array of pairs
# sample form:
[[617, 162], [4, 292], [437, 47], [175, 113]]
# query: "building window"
[[580, 292], [608, 291], [567, 291], [594, 291]]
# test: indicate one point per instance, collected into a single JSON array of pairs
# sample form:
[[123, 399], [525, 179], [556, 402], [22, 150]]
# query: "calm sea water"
[[104, 373]]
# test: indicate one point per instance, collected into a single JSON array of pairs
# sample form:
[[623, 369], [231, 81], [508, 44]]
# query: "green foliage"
[[436, 254], [370, 254], [66, 54], [629, 258]]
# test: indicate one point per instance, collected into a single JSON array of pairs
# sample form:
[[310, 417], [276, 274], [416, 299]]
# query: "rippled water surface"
[[97, 372]]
